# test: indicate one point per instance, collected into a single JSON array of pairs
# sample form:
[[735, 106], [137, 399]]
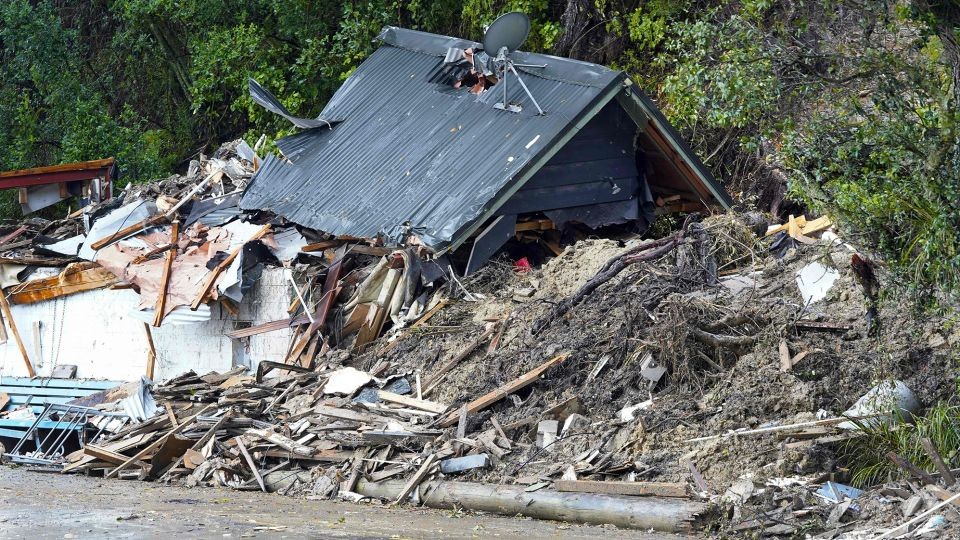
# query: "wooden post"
[[493, 396], [215, 273], [16, 335], [161, 305], [151, 353], [945, 471], [661, 514]]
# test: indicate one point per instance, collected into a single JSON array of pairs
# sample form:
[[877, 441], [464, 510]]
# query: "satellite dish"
[[502, 38], [509, 30]]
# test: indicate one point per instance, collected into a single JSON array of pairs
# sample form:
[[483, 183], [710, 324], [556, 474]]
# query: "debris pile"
[[712, 365]]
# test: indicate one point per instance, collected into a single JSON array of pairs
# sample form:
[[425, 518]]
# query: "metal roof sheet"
[[414, 153]]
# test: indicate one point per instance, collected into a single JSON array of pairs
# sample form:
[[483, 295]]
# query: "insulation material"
[[198, 245]]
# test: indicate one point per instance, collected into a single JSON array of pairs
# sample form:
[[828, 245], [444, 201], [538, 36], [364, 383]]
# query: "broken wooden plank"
[[224, 264], [636, 489], [16, 334], [416, 479], [151, 353], [419, 322], [104, 454], [376, 251], [250, 463], [786, 362], [197, 446], [330, 291], [161, 305], [117, 447], [75, 278], [127, 231], [407, 401], [786, 427], [283, 442], [162, 248], [496, 395], [22, 229], [323, 245], [910, 468], [945, 471], [441, 373], [822, 326], [271, 326], [156, 444]]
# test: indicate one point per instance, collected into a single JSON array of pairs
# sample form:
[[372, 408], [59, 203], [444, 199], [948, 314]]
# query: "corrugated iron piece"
[[55, 174], [413, 154], [416, 155], [269, 102]]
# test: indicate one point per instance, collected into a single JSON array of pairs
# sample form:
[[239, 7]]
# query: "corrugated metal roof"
[[412, 151]]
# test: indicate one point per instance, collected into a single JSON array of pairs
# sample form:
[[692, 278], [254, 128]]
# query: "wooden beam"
[[151, 352], [406, 401], [271, 326], [104, 454], [161, 304], [909, 467], [945, 471], [250, 463], [152, 253], [127, 231], [323, 245], [494, 396], [157, 443], [417, 478], [16, 335], [640, 489], [215, 273]]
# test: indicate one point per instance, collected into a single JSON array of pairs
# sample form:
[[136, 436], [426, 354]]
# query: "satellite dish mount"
[[502, 38]]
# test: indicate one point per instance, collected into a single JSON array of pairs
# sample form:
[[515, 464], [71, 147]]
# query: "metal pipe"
[[659, 513]]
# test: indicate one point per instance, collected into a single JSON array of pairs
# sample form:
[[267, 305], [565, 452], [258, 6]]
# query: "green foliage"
[[885, 161], [866, 456], [853, 102], [55, 113]]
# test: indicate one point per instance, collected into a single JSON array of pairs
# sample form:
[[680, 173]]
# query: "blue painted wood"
[[42, 391], [582, 173], [602, 152], [534, 200], [80, 384]]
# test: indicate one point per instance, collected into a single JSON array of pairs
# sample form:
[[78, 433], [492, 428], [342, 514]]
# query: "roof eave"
[[653, 115]]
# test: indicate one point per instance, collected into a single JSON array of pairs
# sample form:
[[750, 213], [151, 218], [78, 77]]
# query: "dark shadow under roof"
[[412, 154]]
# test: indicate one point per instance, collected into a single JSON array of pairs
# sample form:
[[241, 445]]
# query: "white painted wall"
[[94, 331]]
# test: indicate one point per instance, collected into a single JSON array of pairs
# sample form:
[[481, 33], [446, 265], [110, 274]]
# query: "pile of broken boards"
[[185, 247], [341, 432], [697, 368]]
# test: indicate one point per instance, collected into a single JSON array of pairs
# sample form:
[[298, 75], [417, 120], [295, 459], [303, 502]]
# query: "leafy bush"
[[866, 456]]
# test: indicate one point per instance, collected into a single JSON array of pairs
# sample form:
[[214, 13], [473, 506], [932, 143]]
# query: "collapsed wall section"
[[96, 331]]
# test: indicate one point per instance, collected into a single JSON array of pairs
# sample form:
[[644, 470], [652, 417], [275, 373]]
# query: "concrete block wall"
[[95, 331]]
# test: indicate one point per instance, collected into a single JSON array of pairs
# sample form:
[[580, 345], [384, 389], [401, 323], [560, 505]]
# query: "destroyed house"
[[415, 144]]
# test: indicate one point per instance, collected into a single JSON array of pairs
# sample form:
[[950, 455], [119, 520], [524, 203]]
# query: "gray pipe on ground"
[[658, 513]]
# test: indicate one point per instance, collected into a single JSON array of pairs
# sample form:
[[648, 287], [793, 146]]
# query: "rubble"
[[621, 368]]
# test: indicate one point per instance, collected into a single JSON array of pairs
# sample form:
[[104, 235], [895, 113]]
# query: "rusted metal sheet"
[[55, 174]]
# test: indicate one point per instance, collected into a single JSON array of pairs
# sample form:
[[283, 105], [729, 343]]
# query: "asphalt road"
[[39, 505]]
